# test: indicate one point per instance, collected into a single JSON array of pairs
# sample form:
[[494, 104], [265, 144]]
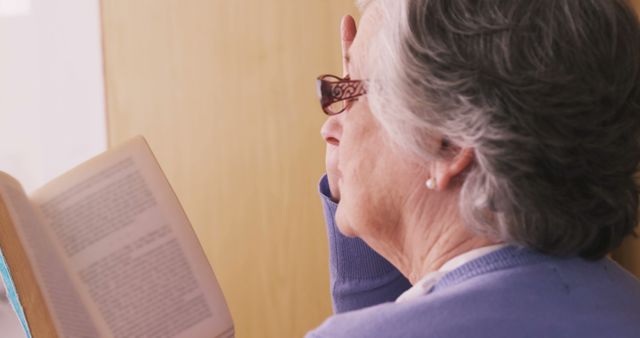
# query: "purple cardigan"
[[512, 292]]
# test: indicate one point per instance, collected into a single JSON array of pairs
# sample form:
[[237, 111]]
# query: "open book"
[[106, 250]]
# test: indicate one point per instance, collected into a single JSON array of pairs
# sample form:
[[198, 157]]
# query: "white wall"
[[52, 106]]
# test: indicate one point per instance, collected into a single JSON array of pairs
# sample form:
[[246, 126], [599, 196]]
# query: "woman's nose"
[[331, 130]]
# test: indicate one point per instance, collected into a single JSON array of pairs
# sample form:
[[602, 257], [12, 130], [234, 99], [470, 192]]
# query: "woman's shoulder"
[[524, 284], [522, 269], [529, 294]]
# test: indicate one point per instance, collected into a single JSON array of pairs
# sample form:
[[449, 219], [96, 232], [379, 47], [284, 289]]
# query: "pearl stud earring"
[[431, 183]]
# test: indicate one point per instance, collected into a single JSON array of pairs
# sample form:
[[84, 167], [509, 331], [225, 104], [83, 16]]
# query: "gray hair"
[[546, 93]]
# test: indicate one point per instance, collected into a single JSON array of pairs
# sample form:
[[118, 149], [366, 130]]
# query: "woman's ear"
[[451, 167]]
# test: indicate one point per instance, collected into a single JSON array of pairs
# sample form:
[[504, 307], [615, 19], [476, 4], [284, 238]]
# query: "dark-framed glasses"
[[336, 94]]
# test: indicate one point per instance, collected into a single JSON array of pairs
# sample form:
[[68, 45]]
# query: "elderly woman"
[[480, 163]]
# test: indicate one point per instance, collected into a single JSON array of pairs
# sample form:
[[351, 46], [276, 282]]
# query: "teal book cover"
[[12, 296]]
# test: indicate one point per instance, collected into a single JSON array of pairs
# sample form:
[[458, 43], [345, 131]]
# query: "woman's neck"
[[429, 237]]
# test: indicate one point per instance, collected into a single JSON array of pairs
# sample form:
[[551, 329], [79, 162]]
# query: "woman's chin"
[[343, 225]]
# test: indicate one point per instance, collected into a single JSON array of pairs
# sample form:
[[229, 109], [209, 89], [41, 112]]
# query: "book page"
[[134, 254], [65, 305]]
